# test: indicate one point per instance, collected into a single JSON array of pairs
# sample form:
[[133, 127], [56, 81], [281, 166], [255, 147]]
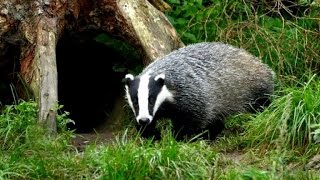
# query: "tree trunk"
[[45, 64], [34, 27]]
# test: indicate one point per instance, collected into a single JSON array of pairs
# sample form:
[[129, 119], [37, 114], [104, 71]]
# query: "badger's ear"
[[128, 78], [160, 79]]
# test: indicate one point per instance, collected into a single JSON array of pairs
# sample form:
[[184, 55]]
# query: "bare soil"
[[80, 141]]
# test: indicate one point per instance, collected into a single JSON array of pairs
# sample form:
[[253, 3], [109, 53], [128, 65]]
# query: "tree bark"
[[151, 28], [35, 26], [45, 62], [137, 22], [160, 5]]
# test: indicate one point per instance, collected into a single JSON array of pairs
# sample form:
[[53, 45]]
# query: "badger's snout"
[[144, 121]]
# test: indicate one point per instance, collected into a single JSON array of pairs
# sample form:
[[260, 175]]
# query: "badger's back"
[[212, 80]]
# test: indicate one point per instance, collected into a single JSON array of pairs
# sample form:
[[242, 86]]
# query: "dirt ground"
[[81, 140]]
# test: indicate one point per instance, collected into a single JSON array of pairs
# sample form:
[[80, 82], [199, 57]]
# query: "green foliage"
[[140, 159], [27, 150], [290, 120], [33, 154], [14, 123], [133, 64], [289, 46]]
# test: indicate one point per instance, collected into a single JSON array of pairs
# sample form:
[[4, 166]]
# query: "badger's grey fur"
[[197, 87]]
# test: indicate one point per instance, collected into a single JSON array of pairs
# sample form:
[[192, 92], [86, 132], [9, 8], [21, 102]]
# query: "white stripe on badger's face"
[[143, 95], [131, 77], [163, 95]]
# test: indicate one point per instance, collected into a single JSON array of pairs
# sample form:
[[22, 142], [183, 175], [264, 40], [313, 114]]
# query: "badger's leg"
[[190, 130], [149, 131], [214, 129], [185, 131], [179, 131]]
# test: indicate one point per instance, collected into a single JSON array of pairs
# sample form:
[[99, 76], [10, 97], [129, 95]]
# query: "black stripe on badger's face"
[[145, 95], [155, 87], [131, 85]]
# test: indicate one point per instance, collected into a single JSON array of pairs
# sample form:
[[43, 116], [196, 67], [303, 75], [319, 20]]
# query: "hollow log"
[[34, 27]]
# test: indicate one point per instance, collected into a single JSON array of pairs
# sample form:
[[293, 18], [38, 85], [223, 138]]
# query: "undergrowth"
[[291, 121], [30, 153], [289, 45]]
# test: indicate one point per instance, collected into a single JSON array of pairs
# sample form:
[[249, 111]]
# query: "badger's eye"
[[151, 99], [135, 100]]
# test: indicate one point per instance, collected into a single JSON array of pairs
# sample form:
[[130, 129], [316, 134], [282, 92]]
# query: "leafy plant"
[[14, 123], [289, 46], [133, 64], [289, 121]]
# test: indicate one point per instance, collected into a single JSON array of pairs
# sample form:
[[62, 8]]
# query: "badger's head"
[[145, 94]]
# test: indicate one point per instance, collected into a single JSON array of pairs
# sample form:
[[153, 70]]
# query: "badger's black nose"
[[144, 121]]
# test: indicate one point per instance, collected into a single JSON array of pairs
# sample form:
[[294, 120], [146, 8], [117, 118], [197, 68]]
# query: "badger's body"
[[197, 87]]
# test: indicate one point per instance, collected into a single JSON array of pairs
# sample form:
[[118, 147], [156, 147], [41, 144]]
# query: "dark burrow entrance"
[[90, 75], [10, 86]]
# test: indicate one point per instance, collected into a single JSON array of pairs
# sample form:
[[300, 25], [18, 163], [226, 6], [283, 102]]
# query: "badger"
[[198, 87]]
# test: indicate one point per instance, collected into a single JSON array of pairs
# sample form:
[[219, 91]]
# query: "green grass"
[[30, 153], [289, 45], [274, 144], [137, 159], [291, 120]]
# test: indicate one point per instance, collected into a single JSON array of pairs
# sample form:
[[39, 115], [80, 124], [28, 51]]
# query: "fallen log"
[[35, 27]]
